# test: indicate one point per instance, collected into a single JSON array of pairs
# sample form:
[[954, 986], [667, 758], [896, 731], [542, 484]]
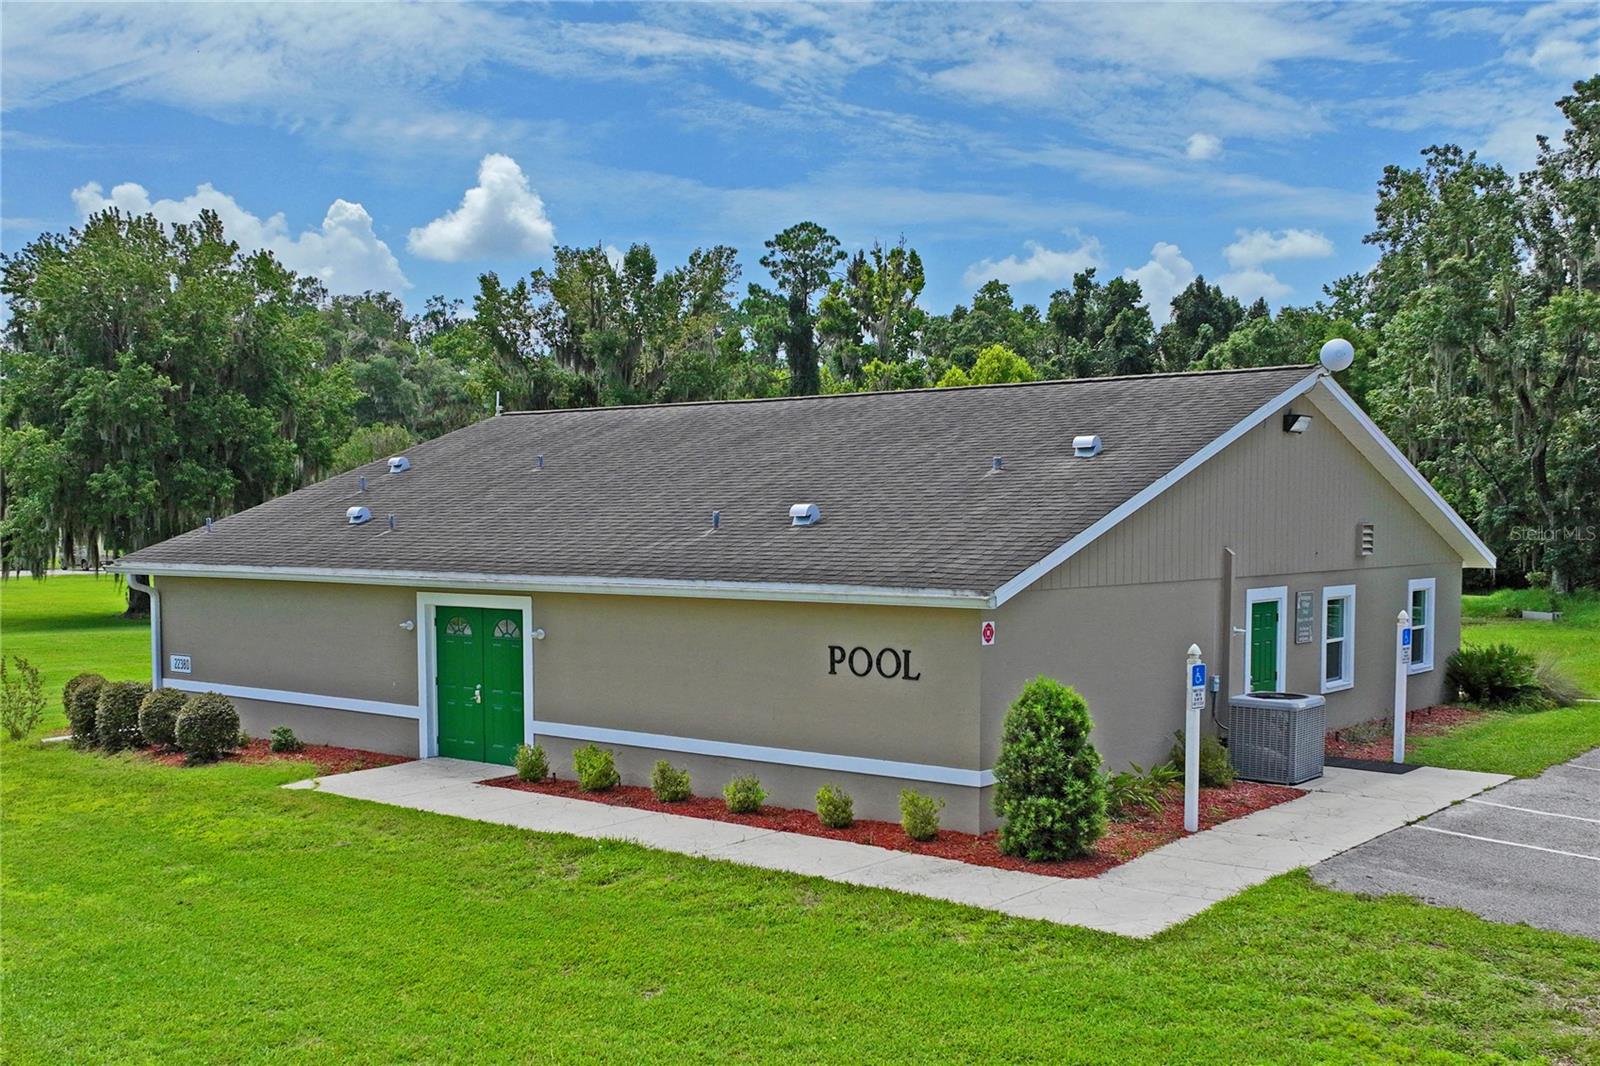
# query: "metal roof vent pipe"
[[716, 519], [399, 464], [391, 523], [999, 464], [1087, 446], [208, 524], [538, 462], [804, 514], [361, 484], [357, 516]]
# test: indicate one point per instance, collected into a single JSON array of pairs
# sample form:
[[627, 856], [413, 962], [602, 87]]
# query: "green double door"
[[478, 671], [1264, 646]]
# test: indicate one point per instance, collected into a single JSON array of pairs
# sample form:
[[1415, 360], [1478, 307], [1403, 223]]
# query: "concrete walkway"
[[1140, 898]]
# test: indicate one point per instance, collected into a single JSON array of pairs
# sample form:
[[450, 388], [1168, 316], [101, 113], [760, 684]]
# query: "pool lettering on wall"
[[893, 663]]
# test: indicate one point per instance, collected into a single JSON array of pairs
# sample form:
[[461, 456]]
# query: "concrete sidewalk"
[[1140, 898]]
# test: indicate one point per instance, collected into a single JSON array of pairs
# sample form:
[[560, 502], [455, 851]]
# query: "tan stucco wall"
[[1288, 506]]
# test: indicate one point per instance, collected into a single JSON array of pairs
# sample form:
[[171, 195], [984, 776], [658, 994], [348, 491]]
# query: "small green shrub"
[[207, 727], [835, 808], [1216, 769], [283, 741], [744, 794], [531, 763], [670, 784], [21, 697], [1492, 675], [1538, 579], [596, 768], [116, 716], [81, 700], [158, 716], [919, 814], [1048, 783]]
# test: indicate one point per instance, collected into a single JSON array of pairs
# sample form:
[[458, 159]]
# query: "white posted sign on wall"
[[179, 664]]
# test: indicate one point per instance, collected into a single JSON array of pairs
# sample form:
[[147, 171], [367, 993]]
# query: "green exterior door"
[[1264, 646], [478, 672]]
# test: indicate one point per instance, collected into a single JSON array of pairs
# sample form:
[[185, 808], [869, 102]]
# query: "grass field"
[[1574, 641], [69, 623], [206, 915]]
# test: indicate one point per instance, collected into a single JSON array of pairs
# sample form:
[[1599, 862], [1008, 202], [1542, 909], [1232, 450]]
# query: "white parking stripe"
[[1530, 810], [1510, 843], [1580, 766]]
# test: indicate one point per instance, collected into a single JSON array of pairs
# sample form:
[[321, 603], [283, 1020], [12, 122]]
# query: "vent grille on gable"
[[1366, 538]]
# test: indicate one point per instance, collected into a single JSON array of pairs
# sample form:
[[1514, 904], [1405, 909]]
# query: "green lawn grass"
[[162, 914], [68, 623], [1519, 744], [154, 913], [1573, 642]]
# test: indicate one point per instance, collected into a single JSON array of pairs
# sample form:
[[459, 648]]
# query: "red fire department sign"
[[986, 634]]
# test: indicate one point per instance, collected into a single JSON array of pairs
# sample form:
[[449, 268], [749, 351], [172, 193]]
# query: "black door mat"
[[1380, 766]]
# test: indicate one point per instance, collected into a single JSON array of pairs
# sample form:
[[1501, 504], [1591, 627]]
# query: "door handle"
[[477, 693]]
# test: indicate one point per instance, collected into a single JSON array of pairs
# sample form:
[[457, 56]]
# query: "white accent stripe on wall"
[[307, 699], [851, 764]]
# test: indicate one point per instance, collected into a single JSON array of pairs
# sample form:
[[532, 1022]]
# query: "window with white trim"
[[1338, 637], [1421, 607]]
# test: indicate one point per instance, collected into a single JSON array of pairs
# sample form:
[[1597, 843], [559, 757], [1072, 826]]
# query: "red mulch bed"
[[1123, 840], [328, 759], [1347, 743]]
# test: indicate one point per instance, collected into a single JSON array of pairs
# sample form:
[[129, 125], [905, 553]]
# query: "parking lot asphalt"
[[1525, 851]]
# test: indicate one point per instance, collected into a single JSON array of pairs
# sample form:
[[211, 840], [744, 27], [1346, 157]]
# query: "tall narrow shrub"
[[1048, 784], [81, 700]]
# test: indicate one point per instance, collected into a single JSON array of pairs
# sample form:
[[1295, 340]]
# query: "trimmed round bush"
[[158, 716], [835, 808], [919, 814], [670, 784], [744, 794], [1048, 783], [80, 698], [531, 763], [116, 716], [596, 769], [207, 726]]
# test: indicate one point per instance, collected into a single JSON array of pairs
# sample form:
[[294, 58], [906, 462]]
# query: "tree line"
[[154, 376]]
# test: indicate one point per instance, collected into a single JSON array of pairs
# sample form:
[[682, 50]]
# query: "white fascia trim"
[[1151, 491], [816, 760], [306, 699], [1348, 680], [721, 590], [1474, 552]]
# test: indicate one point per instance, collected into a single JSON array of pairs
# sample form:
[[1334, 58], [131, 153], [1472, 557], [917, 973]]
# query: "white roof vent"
[[804, 514], [1087, 446], [357, 516], [399, 464]]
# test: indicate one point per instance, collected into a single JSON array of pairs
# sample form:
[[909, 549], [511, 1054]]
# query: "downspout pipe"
[[138, 583]]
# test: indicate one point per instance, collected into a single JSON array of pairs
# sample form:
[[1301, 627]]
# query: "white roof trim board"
[[1343, 413]]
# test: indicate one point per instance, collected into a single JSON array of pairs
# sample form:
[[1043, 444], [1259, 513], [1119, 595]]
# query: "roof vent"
[[1087, 446], [716, 519], [361, 485], [1368, 538], [804, 514], [399, 464], [357, 516], [999, 463], [208, 525]]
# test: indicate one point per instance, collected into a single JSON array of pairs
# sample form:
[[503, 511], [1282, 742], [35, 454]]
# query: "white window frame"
[[1347, 640], [1429, 626], [427, 660], [1280, 593]]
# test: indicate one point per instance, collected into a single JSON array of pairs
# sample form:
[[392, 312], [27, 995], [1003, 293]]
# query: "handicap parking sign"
[[1197, 675], [1405, 638]]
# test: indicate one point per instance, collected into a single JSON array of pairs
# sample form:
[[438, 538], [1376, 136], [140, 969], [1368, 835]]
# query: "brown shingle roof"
[[903, 480]]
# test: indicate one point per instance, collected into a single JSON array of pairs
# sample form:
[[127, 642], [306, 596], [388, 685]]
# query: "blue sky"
[[412, 147]]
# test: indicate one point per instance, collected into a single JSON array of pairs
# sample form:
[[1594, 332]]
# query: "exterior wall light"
[[408, 625], [1293, 423]]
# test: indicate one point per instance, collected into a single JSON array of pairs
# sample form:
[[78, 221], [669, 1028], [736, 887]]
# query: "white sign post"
[[1402, 667], [1195, 678]]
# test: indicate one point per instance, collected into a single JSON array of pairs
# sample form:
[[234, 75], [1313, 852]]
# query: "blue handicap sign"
[[1405, 638], [1197, 675]]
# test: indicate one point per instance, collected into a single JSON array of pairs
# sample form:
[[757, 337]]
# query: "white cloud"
[[1202, 146], [1162, 278], [1040, 264], [1251, 283], [500, 217], [344, 252], [1258, 246]]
